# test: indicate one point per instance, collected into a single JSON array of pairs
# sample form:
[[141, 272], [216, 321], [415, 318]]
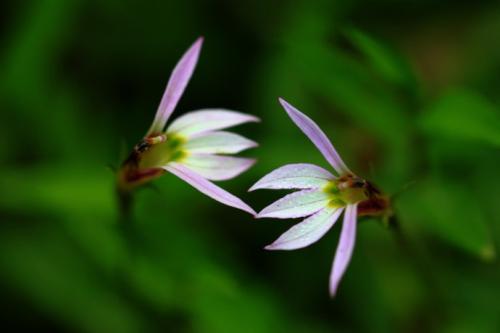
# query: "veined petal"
[[215, 167], [300, 176], [206, 120], [344, 248], [308, 231], [218, 143], [208, 188], [297, 204], [316, 135], [175, 87]]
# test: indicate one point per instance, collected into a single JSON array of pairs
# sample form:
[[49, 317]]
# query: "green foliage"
[[450, 212], [384, 61], [463, 116]]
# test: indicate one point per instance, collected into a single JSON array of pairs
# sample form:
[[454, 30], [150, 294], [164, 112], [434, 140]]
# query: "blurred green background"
[[407, 91]]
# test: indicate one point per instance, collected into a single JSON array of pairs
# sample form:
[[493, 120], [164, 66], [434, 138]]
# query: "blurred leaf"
[[387, 63], [462, 115], [64, 189], [34, 45], [451, 212], [48, 270]]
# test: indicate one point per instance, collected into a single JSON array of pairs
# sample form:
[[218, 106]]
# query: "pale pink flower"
[[194, 146], [322, 198]]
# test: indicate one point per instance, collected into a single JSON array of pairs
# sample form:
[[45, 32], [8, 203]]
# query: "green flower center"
[[171, 150], [345, 190]]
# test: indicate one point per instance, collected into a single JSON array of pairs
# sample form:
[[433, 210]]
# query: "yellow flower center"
[[157, 155], [347, 189]]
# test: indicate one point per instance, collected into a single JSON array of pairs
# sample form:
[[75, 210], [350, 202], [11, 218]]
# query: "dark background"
[[407, 91]]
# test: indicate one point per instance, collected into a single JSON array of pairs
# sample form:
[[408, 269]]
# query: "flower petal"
[[215, 167], [206, 120], [316, 135], [308, 231], [219, 143], [175, 87], [208, 188], [300, 175], [344, 248], [297, 204]]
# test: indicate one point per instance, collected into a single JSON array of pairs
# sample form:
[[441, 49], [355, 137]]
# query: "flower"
[[193, 147], [322, 198]]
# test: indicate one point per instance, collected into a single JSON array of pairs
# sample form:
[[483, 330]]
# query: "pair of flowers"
[[195, 148]]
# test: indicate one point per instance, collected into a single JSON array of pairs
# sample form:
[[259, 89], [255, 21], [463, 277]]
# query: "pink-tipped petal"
[[308, 231], [206, 120], [316, 135], [218, 143], [297, 204], [294, 176], [344, 248], [175, 87], [215, 167], [208, 188]]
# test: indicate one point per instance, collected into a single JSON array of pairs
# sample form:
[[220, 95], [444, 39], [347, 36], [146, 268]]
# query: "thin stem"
[[125, 202], [408, 249], [123, 279], [421, 265]]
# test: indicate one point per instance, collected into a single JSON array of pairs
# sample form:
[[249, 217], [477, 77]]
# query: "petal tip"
[[333, 288], [254, 119], [287, 106], [289, 109], [250, 163], [246, 208], [198, 43], [255, 187], [252, 144]]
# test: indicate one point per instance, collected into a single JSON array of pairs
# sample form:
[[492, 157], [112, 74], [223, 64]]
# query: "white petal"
[[344, 248], [308, 231], [218, 143], [215, 167], [208, 120], [301, 176], [175, 86], [297, 204], [316, 135], [208, 188]]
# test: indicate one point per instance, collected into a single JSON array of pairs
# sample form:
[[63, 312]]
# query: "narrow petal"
[[215, 167], [208, 188], [297, 204], [206, 120], [175, 87], [316, 135], [344, 248], [300, 176], [219, 143], [308, 231]]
